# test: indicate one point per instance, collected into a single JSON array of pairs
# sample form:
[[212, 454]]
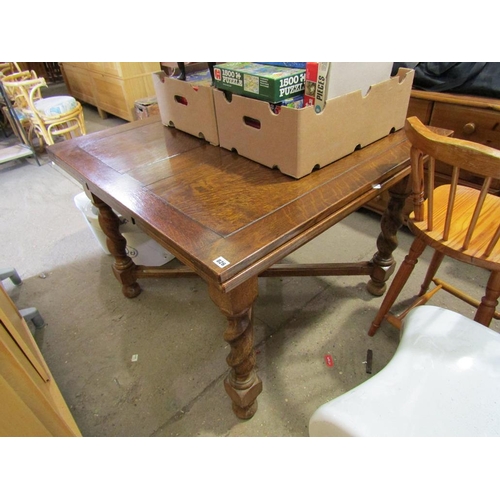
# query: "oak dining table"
[[230, 220]]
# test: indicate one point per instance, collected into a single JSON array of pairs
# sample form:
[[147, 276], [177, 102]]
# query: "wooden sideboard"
[[32, 404], [472, 118], [112, 87]]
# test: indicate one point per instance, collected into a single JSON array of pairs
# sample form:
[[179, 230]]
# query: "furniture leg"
[[489, 302], [242, 383], [123, 267], [416, 249], [387, 241], [436, 260], [102, 113]]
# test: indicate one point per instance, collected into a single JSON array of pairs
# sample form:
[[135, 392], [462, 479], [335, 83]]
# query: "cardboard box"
[[260, 81], [187, 106], [298, 140], [146, 107]]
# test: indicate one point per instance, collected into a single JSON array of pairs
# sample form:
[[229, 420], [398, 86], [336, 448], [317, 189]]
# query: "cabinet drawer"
[[82, 65], [474, 124], [421, 109], [111, 96], [131, 69], [106, 68], [123, 69], [80, 84]]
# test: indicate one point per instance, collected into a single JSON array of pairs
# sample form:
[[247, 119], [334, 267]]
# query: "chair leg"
[[81, 122], [406, 268], [437, 258], [489, 302], [42, 131]]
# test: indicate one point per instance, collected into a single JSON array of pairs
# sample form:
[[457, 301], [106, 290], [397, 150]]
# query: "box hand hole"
[[251, 122], [181, 100]]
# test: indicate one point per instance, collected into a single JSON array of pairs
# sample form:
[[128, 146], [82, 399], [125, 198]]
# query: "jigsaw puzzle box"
[[260, 81]]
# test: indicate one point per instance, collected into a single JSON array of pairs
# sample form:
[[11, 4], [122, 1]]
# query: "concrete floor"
[[175, 387]]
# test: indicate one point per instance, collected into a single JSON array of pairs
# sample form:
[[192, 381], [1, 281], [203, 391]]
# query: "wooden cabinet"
[[113, 87], [472, 118], [32, 404], [79, 83]]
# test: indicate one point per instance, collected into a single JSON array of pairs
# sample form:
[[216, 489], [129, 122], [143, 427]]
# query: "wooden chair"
[[50, 117], [456, 221]]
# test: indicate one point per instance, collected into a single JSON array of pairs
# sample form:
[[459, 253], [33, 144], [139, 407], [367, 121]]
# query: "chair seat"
[[465, 202], [57, 105], [21, 114], [444, 380]]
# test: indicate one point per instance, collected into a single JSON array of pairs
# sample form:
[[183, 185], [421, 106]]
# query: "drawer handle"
[[469, 128]]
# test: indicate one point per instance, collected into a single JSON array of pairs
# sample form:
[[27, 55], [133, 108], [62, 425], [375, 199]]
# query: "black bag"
[[473, 78]]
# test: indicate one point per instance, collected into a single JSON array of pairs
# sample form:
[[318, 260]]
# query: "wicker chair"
[[50, 117], [7, 68]]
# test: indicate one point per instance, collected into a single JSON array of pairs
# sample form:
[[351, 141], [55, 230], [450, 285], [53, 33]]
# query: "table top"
[[204, 203]]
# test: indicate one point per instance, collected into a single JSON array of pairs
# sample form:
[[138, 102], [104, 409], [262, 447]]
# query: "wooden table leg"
[[242, 384], [387, 241], [123, 267]]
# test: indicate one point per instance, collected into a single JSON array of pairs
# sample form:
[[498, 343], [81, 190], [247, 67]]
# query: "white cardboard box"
[[140, 247], [298, 140]]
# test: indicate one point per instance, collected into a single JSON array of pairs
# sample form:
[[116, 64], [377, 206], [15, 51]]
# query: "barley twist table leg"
[[242, 384], [123, 267], [387, 241]]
